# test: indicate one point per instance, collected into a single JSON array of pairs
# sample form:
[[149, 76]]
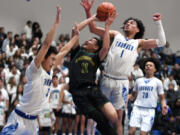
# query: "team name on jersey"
[[124, 45], [47, 82], [145, 88], [85, 58]]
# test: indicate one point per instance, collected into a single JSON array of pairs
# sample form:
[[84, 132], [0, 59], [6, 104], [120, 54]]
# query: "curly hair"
[[153, 60], [140, 25]]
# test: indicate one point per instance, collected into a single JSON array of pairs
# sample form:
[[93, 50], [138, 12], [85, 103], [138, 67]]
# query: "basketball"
[[104, 9]]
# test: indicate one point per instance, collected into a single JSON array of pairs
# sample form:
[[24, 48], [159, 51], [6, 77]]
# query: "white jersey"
[[54, 96], [148, 90], [68, 108], [36, 91], [121, 57]]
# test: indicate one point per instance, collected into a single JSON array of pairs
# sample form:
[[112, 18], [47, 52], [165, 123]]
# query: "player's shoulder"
[[157, 80], [140, 79]]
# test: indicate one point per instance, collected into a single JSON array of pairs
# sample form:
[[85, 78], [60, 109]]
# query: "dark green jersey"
[[83, 68]]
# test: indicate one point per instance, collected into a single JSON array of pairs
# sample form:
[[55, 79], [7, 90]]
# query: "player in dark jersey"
[[88, 98]]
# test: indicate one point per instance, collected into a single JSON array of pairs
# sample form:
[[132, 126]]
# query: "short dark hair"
[[99, 43], [51, 50], [140, 25], [153, 60], [54, 76]]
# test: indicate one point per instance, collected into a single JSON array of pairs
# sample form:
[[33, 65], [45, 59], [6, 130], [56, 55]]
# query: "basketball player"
[[122, 56], [86, 95], [23, 120], [55, 101], [147, 89]]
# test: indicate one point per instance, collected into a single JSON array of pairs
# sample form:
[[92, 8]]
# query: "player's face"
[[131, 26], [49, 62], [55, 81], [150, 68], [91, 45]]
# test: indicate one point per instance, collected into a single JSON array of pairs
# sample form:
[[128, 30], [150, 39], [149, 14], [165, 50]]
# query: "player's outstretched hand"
[[86, 4], [110, 19], [157, 17], [58, 15]]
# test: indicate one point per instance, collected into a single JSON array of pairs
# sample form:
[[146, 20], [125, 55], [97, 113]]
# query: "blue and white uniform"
[[143, 112], [54, 96], [118, 66], [23, 120]]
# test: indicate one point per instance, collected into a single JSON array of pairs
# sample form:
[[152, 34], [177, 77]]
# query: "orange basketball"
[[104, 9]]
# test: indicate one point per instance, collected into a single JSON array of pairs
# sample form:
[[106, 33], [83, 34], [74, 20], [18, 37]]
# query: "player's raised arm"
[[161, 38], [92, 26], [63, 52], [106, 39], [82, 25], [48, 40]]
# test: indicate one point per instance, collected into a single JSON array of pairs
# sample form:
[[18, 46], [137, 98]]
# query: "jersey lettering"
[[124, 45]]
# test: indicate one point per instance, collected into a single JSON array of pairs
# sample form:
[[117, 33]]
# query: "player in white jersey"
[[23, 120], [55, 101], [122, 56], [147, 90]]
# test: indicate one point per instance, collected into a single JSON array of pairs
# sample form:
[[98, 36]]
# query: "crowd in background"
[[18, 50]]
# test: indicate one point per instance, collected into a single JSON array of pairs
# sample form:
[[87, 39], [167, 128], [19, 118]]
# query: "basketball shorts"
[[116, 91], [17, 125], [142, 118], [88, 99]]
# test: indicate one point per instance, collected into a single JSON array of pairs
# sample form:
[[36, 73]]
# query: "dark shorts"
[[45, 129], [88, 99], [57, 113]]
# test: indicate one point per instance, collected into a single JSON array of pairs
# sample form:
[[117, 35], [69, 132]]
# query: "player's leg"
[[103, 124], [70, 121], [77, 118], [143, 133], [119, 101], [135, 120], [82, 127], [18, 125], [64, 125], [147, 121], [56, 124]]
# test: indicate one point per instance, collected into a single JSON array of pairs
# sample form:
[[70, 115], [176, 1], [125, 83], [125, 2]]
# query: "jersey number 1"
[[122, 53]]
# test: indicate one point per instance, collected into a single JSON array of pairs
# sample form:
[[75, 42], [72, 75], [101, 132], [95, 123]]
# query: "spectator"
[[176, 73], [17, 41], [56, 101], [7, 41], [168, 55], [2, 36], [168, 81], [68, 110], [36, 31], [137, 72], [5, 96], [2, 112], [171, 95], [91, 125], [28, 30]]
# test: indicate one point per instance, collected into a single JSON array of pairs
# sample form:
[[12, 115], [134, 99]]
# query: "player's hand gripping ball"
[[105, 9]]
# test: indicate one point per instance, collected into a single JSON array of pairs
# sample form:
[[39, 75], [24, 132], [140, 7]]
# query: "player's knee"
[[132, 131]]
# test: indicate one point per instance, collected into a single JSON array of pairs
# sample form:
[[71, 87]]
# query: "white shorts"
[[116, 91], [17, 125], [142, 118]]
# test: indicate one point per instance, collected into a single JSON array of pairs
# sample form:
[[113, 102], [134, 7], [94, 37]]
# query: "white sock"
[[63, 133]]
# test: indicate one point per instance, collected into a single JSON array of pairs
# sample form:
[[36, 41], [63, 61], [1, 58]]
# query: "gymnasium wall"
[[15, 13]]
